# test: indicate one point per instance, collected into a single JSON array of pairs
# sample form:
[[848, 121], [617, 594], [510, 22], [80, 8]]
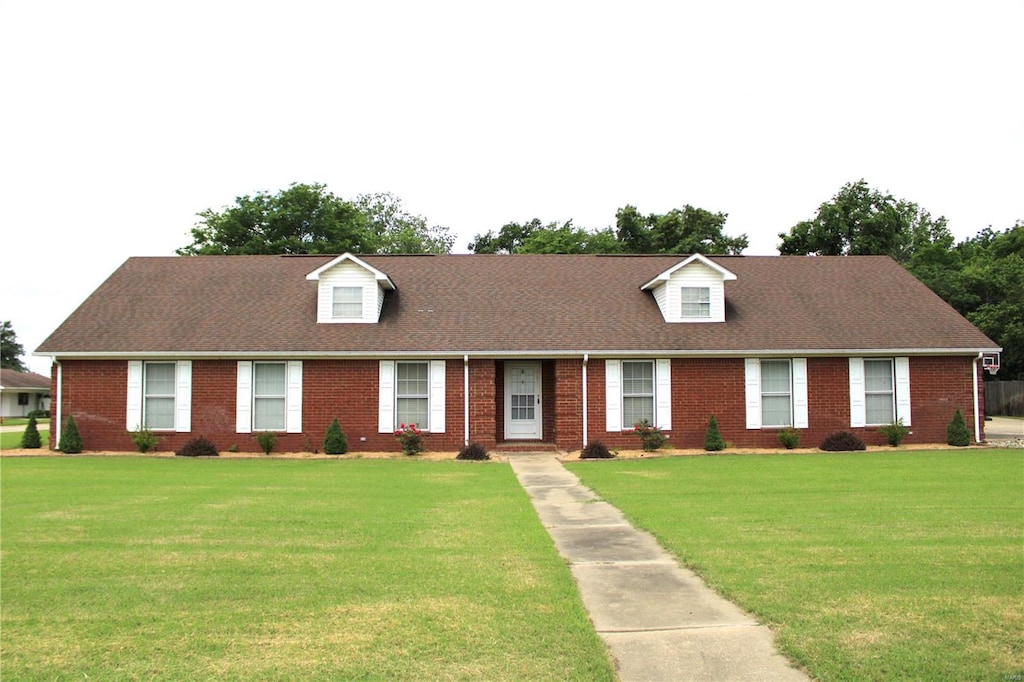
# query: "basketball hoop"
[[990, 363]]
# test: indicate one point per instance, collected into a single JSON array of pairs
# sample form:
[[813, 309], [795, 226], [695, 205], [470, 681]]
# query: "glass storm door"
[[522, 400]]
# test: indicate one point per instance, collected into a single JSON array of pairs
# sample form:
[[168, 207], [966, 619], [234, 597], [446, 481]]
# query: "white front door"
[[522, 400]]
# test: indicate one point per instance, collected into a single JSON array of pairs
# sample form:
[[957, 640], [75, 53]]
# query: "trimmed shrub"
[[30, 440], [712, 437], [473, 451], [144, 439], [842, 441], [335, 442], [957, 433], [198, 447], [39, 414], [70, 442], [595, 449], [651, 437], [790, 438], [894, 433], [267, 440]]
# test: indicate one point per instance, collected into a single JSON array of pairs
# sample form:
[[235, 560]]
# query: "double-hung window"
[[412, 394], [637, 392], [158, 396], [776, 393], [879, 393], [696, 302], [269, 392], [348, 302]]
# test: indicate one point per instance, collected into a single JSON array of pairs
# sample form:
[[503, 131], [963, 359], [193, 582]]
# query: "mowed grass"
[[903, 565], [135, 568], [11, 440]]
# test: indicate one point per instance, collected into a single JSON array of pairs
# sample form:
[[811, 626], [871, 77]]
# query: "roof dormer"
[[349, 291], [693, 290]]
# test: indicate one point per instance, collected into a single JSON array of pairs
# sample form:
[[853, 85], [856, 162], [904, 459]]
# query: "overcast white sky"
[[121, 121]]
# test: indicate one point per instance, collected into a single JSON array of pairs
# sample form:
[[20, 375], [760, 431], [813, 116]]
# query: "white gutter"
[[586, 358], [465, 395], [60, 403], [977, 408]]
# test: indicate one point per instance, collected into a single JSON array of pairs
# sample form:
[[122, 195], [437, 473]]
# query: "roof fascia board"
[[727, 275], [382, 279]]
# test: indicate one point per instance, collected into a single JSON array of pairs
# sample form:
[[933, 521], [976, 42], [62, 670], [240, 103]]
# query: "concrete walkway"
[[659, 620]]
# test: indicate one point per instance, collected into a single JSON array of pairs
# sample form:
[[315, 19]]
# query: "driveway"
[[1004, 428]]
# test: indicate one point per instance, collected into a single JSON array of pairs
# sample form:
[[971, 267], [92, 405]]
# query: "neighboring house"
[[516, 352], [22, 392]]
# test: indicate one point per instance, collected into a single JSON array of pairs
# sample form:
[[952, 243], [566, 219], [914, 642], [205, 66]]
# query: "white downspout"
[[465, 395], [586, 357], [60, 404], [977, 407]]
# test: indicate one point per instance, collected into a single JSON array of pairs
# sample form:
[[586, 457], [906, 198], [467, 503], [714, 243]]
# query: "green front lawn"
[[901, 565], [135, 568], [11, 440]]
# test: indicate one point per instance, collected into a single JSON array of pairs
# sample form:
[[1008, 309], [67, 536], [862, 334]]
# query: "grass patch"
[[134, 568], [11, 440], [901, 565]]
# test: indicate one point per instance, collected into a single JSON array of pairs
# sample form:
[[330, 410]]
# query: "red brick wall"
[[94, 391]]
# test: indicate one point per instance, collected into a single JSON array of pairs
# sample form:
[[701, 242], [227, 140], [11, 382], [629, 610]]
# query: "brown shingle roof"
[[509, 304], [12, 378]]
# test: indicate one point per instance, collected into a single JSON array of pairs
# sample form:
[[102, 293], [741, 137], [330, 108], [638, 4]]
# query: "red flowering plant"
[[651, 437], [411, 439]]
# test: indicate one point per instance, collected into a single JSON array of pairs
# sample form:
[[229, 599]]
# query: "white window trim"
[[652, 395], [798, 395], [245, 398], [613, 394], [703, 302], [901, 391], [334, 302], [387, 399], [182, 396]]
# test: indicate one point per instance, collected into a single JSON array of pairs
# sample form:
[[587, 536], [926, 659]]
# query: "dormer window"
[[349, 291], [348, 302], [696, 302]]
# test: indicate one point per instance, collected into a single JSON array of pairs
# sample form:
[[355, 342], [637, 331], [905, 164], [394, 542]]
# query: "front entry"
[[522, 401]]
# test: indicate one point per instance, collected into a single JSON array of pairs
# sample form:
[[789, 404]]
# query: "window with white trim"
[[412, 393], [637, 392], [696, 301], [270, 396], [879, 391], [158, 396], [776, 393], [348, 302]]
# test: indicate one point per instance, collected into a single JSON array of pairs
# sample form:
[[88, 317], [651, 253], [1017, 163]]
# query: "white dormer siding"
[[335, 283], [699, 283]]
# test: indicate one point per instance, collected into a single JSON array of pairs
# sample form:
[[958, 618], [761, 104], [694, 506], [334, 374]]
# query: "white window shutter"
[[858, 406], [183, 397], [243, 398], [437, 396], [613, 395], [663, 393], [386, 400], [902, 371], [293, 423], [134, 418], [800, 416], [752, 382]]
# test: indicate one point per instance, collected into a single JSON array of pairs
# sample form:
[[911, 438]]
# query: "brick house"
[[515, 352]]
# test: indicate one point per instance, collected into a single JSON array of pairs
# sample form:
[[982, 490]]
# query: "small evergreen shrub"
[[267, 440], [651, 437], [894, 433], [712, 437], [70, 442], [30, 440], [790, 438], [842, 441], [39, 414], [595, 449], [473, 451], [144, 439], [335, 442], [198, 447], [957, 433]]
